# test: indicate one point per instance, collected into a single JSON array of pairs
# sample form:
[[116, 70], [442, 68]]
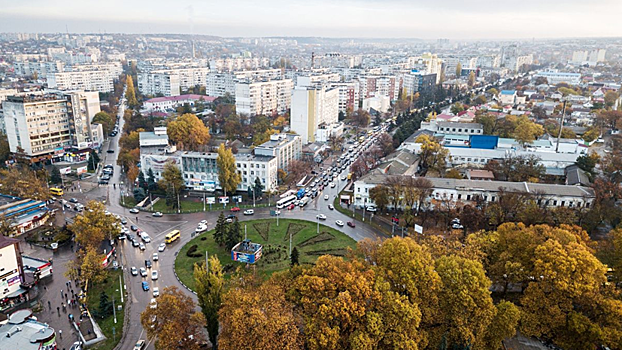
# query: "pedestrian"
[[58, 310], [61, 293], [69, 282], [60, 332], [49, 305]]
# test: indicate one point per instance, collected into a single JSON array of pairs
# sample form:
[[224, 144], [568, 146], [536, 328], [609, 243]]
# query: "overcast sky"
[[426, 19]]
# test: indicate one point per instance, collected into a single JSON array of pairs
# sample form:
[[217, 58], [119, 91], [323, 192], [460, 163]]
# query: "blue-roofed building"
[[508, 97], [484, 141], [23, 214]]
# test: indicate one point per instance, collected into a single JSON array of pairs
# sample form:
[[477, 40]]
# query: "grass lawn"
[[193, 207], [275, 241], [110, 286]]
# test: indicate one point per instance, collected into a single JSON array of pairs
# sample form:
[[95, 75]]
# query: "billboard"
[[246, 257], [65, 171], [210, 200], [81, 170], [223, 200]]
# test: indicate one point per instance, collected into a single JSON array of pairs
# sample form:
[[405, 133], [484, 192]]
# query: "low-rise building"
[[24, 332], [172, 102], [23, 214], [507, 97], [12, 273], [285, 147]]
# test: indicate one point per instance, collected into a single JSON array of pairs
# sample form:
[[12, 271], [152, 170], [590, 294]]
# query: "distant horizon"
[[374, 19]]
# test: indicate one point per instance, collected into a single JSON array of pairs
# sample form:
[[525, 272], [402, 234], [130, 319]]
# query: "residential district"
[[195, 192]]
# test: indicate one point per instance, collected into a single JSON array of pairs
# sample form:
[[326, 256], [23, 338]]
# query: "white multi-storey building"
[[554, 77], [44, 125], [218, 84], [285, 147], [427, 63], [263, 97], [235, 64], [164, 83], [94, 80], [373, 85], [41, 68], [311, 107], [114, 69], [348, 95]]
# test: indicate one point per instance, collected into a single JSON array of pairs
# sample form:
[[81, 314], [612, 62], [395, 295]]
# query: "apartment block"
[[92, 80], [285, 147], [220, 83], [41, 68], [348, 95], [312, 107], [45, 125], [373, 85], [263, 97], [416, 81], [165, 83]]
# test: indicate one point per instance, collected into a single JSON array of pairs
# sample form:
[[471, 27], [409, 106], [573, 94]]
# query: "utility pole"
[[206, 262], [203, 201], [114, 310], [121, 289]]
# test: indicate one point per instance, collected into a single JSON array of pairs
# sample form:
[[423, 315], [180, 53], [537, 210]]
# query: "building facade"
[[92, 80], [263, 97], [312, 107], [285, 147], [164, 83]]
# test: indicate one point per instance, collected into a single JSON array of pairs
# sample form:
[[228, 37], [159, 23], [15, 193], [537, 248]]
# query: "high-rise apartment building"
[[311, 107], [165, 83], [45, 125], [92, 80], [263, 97]]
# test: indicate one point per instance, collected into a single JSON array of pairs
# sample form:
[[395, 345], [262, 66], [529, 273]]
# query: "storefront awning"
[[16, 293]]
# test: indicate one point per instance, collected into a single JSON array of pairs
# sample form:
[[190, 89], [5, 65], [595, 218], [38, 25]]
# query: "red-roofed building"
[[172, 102]]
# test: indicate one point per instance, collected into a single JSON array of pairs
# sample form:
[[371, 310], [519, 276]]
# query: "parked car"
[[201, 228], [371, 209], [134, 228], [135, 243], [321, 217], [351, 224], [145, 237], [332, 185], [153, 303], [134, 271], [326, 197], [291, 206], [73, 200], [249, 212], [123, 221], [457, 226], [157, 214], [203, 222], [339, 223], [230, 218], [161, 247], [145, 286], [235, 209]]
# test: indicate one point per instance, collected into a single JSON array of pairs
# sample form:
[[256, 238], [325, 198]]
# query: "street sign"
[[210, 200], [418, 229]]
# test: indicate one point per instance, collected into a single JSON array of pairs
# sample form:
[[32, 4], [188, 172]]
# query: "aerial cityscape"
[[326, 175]]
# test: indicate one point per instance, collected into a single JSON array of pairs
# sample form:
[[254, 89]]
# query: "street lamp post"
[[318, 225]]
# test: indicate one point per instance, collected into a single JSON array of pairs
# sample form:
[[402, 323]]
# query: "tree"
[[93, 226], [5, 149], [142, 183], [488, 121], [591, 134], [361, 118], [228, 177], [93, 161], [527, 131], [493, 92], [188, 132], [257, 187], [105, 305], [130, 94], [295, 169], [56, 177], [380, 195], [610, 98], [587, 162], [105, 120], [456, 108], [174, 322], [480, 100], [233, 234], [20, 181], [294, 257], [132, 173], [210, 288], [453, 174], [220, 231], [385, 142], [173, 182], [139, 194], [471, 80], [458, 70], [258, 315], [92, 269], [431, 154], [151, 183], [518, 168]]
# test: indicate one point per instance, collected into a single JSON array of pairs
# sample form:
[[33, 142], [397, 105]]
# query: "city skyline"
[[484, 19]]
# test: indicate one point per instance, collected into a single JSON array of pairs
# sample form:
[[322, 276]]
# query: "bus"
[[282, 203], [172, 236], [55, 191]]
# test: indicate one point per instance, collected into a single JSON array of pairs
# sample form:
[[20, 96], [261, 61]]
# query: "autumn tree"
[[458, 69], [471, 80], [527, 131], [174, 323], [92, 269], [456, 108], [209, 289], [385, 142], [130, 94], [228, 176], [361, 118], [296, 168], [432, 154], [172, 182], [21, 181], [188, 132], [610, 98], [380, 195], [93, 225], [105, 120], [257, 315]]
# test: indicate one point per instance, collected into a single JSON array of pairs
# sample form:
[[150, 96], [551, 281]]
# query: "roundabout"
[[276, 246]]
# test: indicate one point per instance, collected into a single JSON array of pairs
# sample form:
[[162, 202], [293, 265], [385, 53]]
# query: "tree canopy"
[[188, 132]]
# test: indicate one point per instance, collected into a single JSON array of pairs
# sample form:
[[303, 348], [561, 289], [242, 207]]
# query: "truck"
[[301, 193], [304, 201], [349, 176]]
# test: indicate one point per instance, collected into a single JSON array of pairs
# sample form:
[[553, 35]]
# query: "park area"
[[275, 240]]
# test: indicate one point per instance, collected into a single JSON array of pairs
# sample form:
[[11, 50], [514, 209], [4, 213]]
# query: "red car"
[[351, 224], [291, 206], [235, 209]]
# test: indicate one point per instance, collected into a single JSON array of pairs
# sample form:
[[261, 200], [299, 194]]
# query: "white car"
[[134, 271], [157, 214], [156, 291], [339, 223], [142, 246], [201, 228], [153, 303], [332, 185], [326, 197], [134, 211], [321, 216], [249, 212], [154, 275], [145, 237], [155, 257], [371, 209], [143, 272], [161, 247], [330, 206], [342, 177], [203, 222]]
